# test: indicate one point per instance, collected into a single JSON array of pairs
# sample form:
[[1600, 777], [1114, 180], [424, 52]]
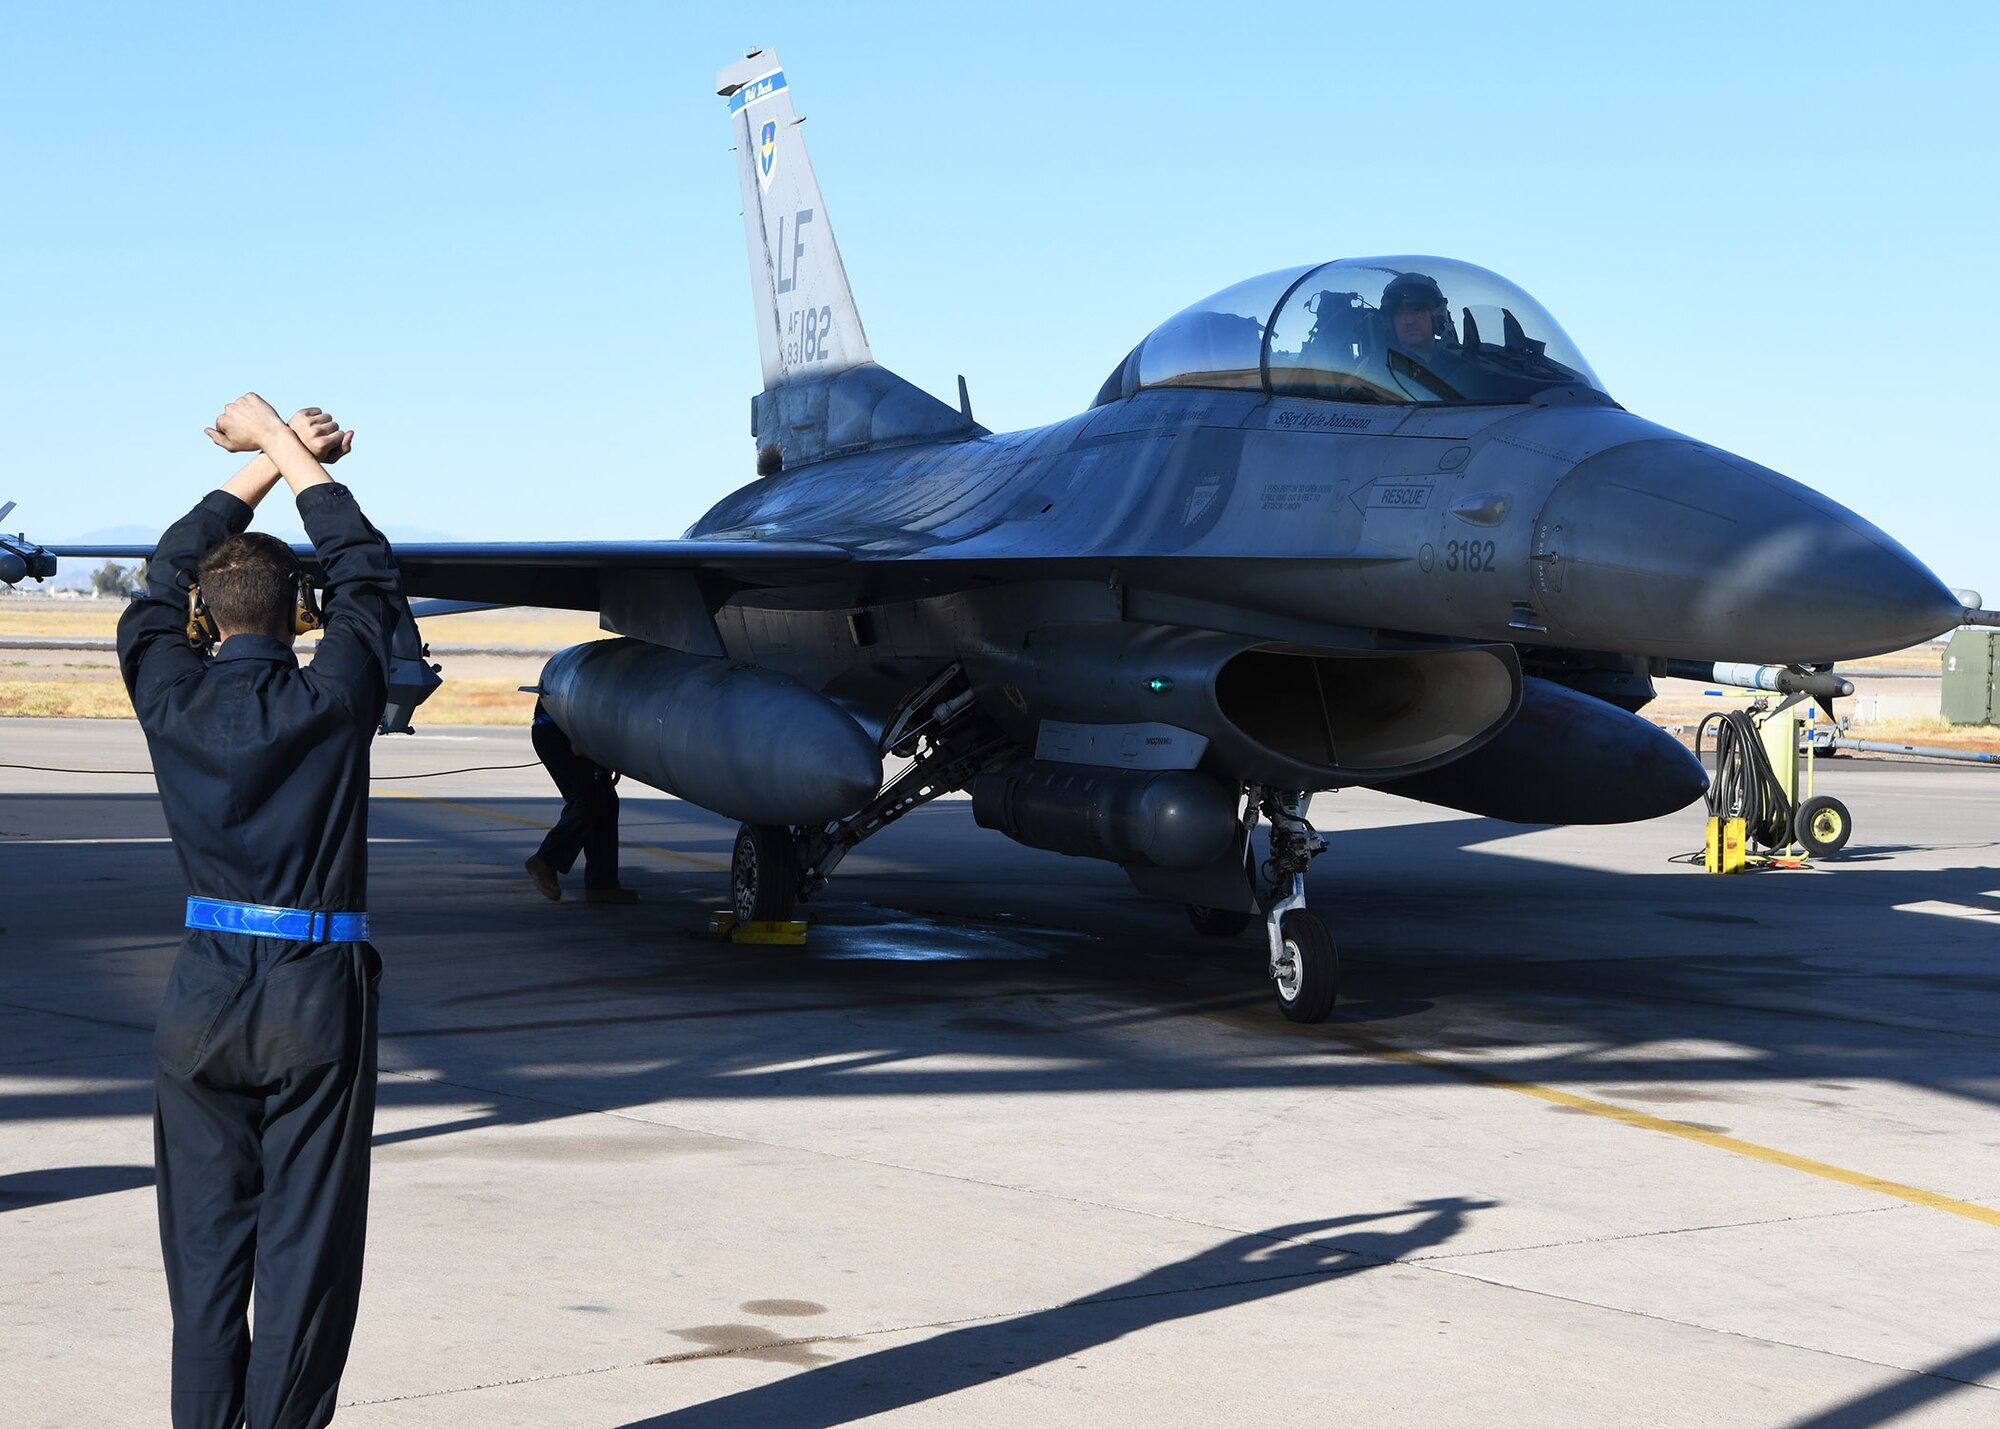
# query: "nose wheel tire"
[[1822, 825], [1307, 976], [1217, 922], [764, 874]]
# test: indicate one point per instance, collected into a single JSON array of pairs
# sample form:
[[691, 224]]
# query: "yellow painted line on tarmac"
[[697, 860], [1645, 1121]]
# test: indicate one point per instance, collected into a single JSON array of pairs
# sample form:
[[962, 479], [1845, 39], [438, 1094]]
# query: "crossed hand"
[[250, 424]]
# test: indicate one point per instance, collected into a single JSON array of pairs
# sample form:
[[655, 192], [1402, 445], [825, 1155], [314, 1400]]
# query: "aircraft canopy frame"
[[1323, 330]]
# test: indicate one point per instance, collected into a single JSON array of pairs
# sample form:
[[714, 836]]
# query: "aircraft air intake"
[[1295, 717], [1363, 714]]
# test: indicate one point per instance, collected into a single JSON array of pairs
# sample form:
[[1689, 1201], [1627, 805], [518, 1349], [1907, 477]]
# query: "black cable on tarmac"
[[1745, 785]]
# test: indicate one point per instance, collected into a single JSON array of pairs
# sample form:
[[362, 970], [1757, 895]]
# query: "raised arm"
[[154, 654], [322, 438], [250, 484], [362, 601]]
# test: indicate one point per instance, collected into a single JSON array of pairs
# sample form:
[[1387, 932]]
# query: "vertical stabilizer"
[[807, 324]]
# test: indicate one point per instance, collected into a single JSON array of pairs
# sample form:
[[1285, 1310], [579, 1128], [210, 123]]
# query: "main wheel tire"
[[1217, 922], [764, 874], [1308, 979], [1822, 825]]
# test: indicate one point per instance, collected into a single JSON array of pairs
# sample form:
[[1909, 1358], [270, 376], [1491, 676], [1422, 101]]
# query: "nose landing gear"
[[1305, 969]]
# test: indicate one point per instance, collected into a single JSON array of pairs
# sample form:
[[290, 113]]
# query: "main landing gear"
[[939, 731], [764, 874]]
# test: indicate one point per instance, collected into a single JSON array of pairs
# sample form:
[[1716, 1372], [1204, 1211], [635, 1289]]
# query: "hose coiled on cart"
[[1745, 786]]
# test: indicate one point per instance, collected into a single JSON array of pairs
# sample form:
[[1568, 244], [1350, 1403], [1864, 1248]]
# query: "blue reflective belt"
[[298, 925]]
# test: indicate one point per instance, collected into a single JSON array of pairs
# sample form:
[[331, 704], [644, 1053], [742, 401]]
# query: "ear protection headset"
[[203, 633]]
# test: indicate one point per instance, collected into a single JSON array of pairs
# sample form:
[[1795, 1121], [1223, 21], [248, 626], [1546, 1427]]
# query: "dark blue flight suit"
[[264, 1100], [588, 823]]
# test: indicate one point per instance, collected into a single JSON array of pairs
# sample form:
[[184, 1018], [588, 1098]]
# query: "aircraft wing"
[[569, 575], [690, 577], [565, 574]]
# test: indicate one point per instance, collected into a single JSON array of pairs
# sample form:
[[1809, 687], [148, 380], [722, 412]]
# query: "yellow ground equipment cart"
[[1761, 796]]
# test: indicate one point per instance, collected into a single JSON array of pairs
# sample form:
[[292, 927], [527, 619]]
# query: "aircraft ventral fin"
[[807, 323]]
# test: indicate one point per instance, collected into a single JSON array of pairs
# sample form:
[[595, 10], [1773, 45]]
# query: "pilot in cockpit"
[[1416, 312]]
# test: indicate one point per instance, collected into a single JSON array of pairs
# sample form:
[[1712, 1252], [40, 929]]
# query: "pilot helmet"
[[1415, 290]]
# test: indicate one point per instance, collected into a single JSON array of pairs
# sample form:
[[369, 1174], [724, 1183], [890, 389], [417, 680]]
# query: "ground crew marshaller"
[[265, 1071]]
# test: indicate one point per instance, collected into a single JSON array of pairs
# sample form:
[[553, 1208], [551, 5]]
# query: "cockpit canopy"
[[1406, 329]]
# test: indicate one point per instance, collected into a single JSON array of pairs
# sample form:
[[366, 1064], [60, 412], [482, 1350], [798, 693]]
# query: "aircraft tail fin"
[[823, 393], [807, 323]]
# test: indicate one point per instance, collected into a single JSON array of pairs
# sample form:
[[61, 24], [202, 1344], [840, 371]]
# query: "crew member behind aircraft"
[[588, 824], [1416, 312]]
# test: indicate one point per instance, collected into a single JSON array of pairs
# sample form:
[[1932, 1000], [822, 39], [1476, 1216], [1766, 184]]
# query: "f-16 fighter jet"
[[1372, 521]]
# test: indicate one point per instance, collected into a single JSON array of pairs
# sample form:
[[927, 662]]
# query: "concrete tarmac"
[[1593, 1139]]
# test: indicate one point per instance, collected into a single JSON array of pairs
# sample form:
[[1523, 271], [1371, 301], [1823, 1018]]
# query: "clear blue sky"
[[502, 241]]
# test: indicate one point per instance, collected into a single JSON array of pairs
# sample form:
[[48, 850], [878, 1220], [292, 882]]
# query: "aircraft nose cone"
[[1673, 548]]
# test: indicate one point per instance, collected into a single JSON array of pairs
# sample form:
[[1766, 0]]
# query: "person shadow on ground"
[[1235, 1272]]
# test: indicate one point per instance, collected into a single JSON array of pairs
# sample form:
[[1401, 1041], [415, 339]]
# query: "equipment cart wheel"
[[1217, 922], [764, 874], [1822, 825], [1308, 973]]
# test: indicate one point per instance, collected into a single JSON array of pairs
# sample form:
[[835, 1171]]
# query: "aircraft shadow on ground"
[[1237, 1271], [1808, 978], [1908, 1393]]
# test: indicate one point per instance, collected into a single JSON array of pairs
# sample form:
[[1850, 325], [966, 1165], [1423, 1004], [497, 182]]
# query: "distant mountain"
[[108, 536], [417, 535]]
